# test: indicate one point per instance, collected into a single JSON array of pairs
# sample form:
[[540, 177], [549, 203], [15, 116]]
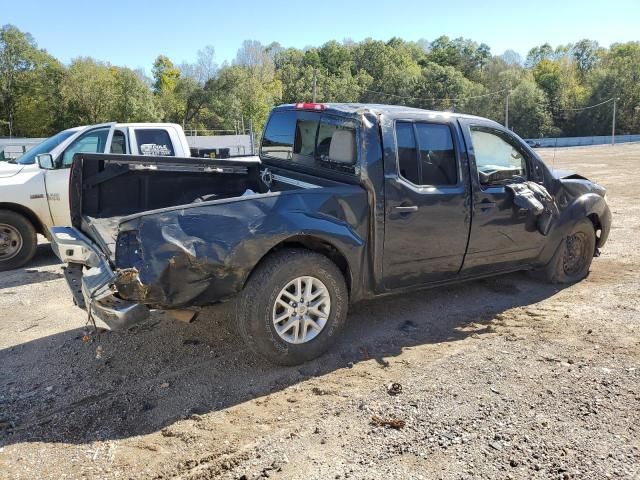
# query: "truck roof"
[[393, 111]]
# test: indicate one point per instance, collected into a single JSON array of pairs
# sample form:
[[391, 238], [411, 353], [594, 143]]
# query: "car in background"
[[34, 188]]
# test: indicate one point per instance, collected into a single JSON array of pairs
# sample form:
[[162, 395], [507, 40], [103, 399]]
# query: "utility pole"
[[613, 123], [251, 139], [506, 111], [315, 83]]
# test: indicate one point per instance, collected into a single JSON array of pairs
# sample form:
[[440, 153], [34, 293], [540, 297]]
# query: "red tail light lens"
[[310, 106]]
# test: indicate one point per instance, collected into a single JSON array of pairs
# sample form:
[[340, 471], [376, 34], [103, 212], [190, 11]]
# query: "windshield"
[[44, 147]]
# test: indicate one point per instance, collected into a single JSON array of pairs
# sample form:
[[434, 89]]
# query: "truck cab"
[[34, 189]]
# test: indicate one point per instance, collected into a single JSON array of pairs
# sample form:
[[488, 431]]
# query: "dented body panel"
[[189, 232], [202, 254]]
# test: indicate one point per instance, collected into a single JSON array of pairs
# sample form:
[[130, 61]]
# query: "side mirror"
[[45, 161]]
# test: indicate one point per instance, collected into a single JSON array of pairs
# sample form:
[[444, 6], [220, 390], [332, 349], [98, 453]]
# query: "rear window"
[[154, 142], [311, 139]]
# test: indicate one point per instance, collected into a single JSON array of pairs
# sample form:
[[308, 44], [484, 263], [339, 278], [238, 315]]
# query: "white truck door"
[[94, 140]]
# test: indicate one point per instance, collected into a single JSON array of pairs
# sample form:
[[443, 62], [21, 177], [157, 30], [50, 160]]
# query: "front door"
[[503, 236], [57, 181], [427, 214]]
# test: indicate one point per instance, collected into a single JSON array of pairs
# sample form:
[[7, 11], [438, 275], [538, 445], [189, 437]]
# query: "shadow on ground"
[[30, 274], [54, 389]]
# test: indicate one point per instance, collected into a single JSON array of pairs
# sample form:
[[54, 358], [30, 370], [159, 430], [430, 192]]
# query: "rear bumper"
[[91, 281]]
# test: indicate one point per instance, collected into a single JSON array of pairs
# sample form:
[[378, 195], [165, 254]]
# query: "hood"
[[576, 184], [566, 174], [9, 169]]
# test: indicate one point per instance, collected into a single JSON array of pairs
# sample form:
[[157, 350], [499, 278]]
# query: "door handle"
[[406, 208]]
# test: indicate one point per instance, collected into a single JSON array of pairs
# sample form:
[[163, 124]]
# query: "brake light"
[[310, 106]]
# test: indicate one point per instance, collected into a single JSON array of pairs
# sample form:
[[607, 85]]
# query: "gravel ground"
[[500, 378]]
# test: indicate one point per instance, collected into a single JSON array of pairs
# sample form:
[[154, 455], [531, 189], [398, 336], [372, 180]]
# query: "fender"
[[586, 205]]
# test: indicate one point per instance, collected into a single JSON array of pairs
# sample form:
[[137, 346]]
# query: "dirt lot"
[[501, 378]]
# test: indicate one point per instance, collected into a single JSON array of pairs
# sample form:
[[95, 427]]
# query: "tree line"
[[548, 92]]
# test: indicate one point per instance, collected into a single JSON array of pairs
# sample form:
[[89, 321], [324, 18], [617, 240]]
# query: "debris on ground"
[[394, 388], [395, 423]]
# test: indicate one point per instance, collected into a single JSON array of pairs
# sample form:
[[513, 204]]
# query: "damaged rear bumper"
[[91, 281]]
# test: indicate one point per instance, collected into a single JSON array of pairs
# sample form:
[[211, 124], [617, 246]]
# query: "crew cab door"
[[96, 139], [427, 209], [503, 236]]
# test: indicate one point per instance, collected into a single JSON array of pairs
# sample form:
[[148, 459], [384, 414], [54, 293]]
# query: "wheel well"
[[597, 227], [27, 213], [320, 246]]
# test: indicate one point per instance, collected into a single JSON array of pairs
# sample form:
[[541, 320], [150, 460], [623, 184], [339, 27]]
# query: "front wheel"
[[572, 260], [293, 306], [18, 240]]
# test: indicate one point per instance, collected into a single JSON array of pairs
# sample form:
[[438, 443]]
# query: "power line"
[[585, 108], [436, 99]]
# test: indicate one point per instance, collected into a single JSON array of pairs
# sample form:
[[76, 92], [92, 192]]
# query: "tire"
[[573, 258], [18, 240], [261, 303]]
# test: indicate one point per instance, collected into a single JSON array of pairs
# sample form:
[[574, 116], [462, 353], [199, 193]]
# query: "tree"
[[537, 54], [529, 115], [133, 100], [442, 88], [586, 54], [28, 76], [511, 58], [165, 79], [165, 74], [205, 67], [89, 92]]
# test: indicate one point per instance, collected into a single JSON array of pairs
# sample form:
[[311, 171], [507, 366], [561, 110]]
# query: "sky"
[[132, 33]]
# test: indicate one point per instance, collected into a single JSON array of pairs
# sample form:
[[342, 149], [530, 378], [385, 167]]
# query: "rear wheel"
[[573, 258], [18, 240], [293, 306]]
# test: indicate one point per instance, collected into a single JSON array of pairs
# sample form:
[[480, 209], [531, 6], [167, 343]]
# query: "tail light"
[[310, 106]]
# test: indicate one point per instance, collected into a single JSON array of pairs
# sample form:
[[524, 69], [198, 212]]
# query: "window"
[[438, 162], [407, 152], [497, 161], [89, 142], [279, 135], [311, 139], [154, 142], [305, 138], [336, 143], [29, 158], [118, 142], [426, 155]]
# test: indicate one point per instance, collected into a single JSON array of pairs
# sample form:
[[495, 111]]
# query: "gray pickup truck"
[[345, 202]]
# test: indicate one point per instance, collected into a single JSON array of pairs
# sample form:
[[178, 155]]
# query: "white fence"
[[15, 147], [236, 144], [583, 141]]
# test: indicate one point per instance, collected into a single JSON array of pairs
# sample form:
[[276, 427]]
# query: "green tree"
[[29, 79], [133, 100], [89, 92]]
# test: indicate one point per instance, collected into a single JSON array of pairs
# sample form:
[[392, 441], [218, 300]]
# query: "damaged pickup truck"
[[345, 202]]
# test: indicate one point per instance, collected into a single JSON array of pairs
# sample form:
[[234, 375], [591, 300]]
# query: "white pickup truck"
[[34, 190]]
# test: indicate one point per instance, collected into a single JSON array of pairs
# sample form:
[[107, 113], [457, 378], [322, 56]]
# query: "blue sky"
[[134, 32]]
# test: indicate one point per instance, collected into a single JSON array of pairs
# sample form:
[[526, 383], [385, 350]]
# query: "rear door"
[[503, 236], [427, 212]]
